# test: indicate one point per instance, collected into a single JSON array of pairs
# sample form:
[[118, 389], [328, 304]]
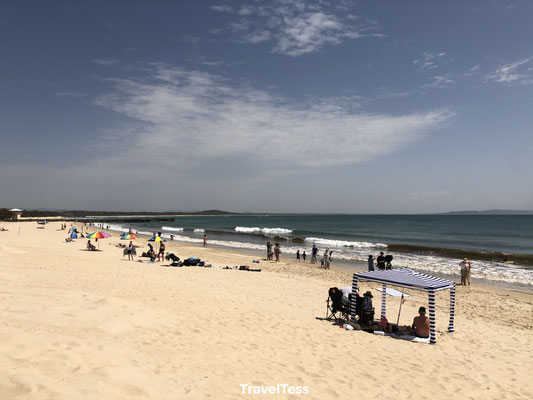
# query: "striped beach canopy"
[[408, 278]]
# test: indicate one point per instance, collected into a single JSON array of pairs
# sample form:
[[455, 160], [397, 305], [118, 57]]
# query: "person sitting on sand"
[[90, 246], [421, 324], [151, 252]]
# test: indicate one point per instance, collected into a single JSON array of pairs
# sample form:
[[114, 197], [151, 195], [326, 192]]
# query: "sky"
[[267, 106]]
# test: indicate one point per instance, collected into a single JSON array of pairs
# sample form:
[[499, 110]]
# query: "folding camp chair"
[[335, 308]]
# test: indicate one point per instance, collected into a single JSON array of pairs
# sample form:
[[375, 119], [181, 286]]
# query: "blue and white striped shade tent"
[[409, 279]]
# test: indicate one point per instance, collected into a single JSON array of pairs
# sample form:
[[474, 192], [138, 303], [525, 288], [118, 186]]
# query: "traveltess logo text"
[[280, 388]]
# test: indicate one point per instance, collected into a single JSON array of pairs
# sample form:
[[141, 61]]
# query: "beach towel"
[[403, 337]]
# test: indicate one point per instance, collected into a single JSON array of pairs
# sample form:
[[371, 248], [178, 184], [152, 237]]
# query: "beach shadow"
[[91, 251]]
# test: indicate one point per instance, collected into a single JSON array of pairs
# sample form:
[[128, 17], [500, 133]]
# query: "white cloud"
[[105, 61], [222, 8], [429, 61], [297, 27], [439, 81], [509, 74], [193, 117], [257, 37]]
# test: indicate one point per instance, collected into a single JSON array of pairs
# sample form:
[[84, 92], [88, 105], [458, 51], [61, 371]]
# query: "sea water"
[[431, 243]]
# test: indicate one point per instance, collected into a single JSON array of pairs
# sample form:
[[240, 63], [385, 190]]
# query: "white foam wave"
[[170, 229], [265, 231], [344, 243], [245, 229], [198, 230]]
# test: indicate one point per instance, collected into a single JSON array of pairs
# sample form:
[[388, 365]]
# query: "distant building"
[[16, 214]]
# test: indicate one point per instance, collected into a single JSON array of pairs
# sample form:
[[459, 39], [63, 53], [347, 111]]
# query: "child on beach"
[[303, 256], [298, 255]]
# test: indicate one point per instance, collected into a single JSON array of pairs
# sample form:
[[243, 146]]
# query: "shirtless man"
[[421, 324]]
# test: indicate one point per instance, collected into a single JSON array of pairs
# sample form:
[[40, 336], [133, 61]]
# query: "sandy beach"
[[92, 325]]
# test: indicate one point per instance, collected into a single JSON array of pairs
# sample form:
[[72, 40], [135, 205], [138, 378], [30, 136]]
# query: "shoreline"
[[345, 266]]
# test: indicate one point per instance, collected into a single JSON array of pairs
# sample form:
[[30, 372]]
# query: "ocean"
[[430, 243]]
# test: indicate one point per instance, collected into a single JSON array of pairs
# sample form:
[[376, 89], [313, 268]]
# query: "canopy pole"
[[432, 338], [354, 297], [384, 301], [452, 309], [399, 311]]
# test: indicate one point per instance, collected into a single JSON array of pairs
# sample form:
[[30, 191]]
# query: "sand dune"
[[91, 325]]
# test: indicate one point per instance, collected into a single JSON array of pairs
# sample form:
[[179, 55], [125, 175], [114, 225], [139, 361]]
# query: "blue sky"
[[287, 105]]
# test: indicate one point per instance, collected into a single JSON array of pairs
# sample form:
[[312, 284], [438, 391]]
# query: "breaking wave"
[[344, 243], [170, 229], [265, 231]]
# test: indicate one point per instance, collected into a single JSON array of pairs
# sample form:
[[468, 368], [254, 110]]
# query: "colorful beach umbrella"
[[156, 239], [98, 235], [128, 236]]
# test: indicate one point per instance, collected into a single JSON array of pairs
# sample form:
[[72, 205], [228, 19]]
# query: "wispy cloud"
[[511, 73], [222, 8], [105, 61], [296, 27], [202, 118], [440, 81], [428, 61], [473, 71]]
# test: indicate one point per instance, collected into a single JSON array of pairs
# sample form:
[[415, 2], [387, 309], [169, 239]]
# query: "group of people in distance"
[[383, 262], [274, 250], [325, 261]]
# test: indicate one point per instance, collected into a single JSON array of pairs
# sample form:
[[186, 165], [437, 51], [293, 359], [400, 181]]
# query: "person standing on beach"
[[269, 251], [381, 261], [325, 258], [328, 260], [371, 262], [205, 240], [131, 251], [465, 271], [303, 256], [161, 254], [298, 255], [314, 253], [277, 251]]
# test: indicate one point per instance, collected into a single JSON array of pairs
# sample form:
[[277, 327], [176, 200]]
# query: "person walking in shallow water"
[[465, 271], [298, 255], [205, 240]]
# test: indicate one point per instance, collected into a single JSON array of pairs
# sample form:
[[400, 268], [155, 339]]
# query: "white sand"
[[91, 325]]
